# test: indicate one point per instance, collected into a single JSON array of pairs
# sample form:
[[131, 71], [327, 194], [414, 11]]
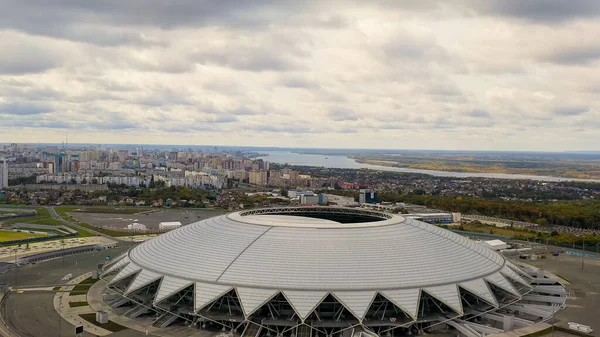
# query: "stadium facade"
[[318, 271]]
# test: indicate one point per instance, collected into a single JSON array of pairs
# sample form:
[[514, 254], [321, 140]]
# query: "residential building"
[[367, 196], [3, 174]]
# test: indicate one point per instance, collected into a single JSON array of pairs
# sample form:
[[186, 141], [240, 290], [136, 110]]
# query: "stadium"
[[325, 271]]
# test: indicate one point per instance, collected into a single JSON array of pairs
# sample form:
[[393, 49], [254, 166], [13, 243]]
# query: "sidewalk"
[[71, 315]]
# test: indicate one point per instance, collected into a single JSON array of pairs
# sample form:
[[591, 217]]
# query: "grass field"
[[64, 211], [506, 231], [43, 218], [110, 326], [10, 236], [82, 287]]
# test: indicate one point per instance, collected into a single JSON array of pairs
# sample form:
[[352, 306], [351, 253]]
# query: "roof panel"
[[205, 293], [508, 272], [447, 294], [128, 270], [144, 278], [253, 298], [228, 250], [498, 280], [117, 266], [405, 299], [169, 286], [304, 302], [357, 302], [478, 288]]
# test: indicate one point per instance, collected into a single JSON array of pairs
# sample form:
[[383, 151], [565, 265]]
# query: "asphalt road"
[[32, 313]]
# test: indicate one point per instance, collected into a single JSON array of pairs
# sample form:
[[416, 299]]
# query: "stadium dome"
[[325, 268]]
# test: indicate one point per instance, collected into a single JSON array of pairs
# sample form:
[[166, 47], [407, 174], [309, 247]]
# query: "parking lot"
[[151, 218], [583, 304]]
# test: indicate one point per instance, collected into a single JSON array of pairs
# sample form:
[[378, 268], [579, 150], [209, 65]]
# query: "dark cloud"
[[573, 110], [298, 82], [547, 11], [342, 114], [243, 111], [574, 55], [26, 15], [24, 108], [478, 113]]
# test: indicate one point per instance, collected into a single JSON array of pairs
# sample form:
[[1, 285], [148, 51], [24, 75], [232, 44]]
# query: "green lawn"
[[110, 326], [10, 236], [78, 304], [82, 287], [64, 211]]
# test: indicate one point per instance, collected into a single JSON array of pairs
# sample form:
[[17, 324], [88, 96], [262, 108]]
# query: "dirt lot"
[[150, 219]]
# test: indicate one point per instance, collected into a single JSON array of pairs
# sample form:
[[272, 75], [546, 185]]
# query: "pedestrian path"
[[71, 315]]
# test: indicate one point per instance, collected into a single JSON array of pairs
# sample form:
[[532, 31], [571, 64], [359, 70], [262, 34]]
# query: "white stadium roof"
[[262, 253]]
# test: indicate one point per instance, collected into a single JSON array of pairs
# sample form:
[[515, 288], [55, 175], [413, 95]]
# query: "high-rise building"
[[367, 196], [258, 177], [3, 174], [60, 163]]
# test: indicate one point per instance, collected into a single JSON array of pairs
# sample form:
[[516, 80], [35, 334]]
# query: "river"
[[293, 158]]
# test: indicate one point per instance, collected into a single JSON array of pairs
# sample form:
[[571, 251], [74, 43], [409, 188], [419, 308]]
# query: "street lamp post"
[[16, 269], [582, 248]]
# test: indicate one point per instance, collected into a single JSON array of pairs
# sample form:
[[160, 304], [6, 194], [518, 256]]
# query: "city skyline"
[[461, 75]]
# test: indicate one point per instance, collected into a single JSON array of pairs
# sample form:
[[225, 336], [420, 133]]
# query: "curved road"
[[31, 313], [56, 216]]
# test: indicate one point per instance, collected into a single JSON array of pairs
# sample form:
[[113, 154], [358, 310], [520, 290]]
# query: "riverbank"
[[343, 162]]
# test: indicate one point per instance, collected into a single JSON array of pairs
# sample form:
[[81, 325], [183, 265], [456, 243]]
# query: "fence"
[[45, 238]]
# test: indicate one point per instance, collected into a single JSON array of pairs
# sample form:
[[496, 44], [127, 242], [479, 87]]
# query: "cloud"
[[427, 74], [340, 114], [478, 113], [546, 11], [572, 110], [24, 108]]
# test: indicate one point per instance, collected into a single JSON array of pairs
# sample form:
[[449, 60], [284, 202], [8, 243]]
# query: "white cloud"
[[466, 74]]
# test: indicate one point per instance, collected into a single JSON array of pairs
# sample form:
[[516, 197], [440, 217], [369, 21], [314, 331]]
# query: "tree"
[[94, 180], [72, 181], [84, 181]]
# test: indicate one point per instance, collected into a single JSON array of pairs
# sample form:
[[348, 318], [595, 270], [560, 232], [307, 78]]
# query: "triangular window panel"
[[406, 299], [519, 270], [253, 298], [498, 280], [228, 304], [511, 274], [170, 286], [432, 308], [447, 294], [331, 310], [304, 301], [356, 301], [479, 288], [142, 279], [208, 292], [384, 310], [503, 296], [277, 308]]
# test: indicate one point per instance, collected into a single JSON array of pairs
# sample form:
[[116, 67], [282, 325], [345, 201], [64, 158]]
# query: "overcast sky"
[[464, 74]]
